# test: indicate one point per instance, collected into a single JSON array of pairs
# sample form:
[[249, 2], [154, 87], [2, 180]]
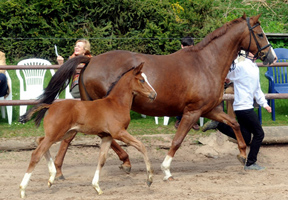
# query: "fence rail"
[[34, 102], [11, 67]]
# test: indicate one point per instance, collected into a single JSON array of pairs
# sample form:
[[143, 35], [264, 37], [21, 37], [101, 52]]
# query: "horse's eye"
[[261, 35], [142, 81]]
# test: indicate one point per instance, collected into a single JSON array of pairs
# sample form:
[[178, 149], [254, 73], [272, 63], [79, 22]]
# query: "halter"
[[259, 54]]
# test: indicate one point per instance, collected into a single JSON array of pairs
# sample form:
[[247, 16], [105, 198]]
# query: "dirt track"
[[209, 171]]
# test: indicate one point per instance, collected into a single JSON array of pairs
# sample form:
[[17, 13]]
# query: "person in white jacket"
[[245, 76]]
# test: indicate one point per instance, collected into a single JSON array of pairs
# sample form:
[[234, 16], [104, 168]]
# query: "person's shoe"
[[210, 125], [254, 166], [196, 127], [177, 123]]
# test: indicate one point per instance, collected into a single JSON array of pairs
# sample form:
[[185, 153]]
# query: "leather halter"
[[259, 54]]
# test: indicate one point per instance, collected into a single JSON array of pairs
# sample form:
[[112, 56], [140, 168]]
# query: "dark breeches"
[[249, 124]]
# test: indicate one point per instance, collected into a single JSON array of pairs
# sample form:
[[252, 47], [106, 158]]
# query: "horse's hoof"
[[125, 169], [169, 179], [241, 159], [61, 177], [98, 189], [49, 184]]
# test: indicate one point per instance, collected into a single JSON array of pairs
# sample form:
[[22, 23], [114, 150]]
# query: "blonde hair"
[[86, 46]]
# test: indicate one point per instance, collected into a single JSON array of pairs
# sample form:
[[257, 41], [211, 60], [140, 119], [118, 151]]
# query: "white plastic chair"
[[9, 97], [34, 80], [166, 120], [68, 95]]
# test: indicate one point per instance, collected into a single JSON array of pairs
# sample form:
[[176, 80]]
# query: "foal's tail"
[[58, 83], [28, 115]]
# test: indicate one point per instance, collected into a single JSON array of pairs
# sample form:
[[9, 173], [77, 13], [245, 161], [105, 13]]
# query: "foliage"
[[30, 28], [33, 27]]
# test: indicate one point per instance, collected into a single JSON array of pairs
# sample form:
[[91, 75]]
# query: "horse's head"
[[257, 42], [141, 85]]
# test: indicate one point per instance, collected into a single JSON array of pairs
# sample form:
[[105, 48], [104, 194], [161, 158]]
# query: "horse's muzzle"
[[270, 57]]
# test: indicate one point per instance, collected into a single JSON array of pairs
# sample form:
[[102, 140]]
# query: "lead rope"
[[82, 82]]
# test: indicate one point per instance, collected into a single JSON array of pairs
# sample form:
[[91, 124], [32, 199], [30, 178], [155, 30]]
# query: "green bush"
[[30, 28]]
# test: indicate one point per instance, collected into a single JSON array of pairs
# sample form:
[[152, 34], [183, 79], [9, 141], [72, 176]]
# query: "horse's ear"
[[256, 18], [244, 16], [138, 69]]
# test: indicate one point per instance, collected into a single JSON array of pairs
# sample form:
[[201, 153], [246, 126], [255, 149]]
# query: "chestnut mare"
[[108, 118], [189, 81]]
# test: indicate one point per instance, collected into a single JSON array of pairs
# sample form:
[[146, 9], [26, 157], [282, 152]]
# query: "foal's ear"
[[244, 16], [138, 69]]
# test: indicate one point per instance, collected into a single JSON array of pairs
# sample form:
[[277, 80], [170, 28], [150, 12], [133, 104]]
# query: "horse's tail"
[[59, 82], [61, 79], [29, 114]]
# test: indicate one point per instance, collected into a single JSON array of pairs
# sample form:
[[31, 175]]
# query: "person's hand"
[[227, 80], [60, 60], [268, 108]]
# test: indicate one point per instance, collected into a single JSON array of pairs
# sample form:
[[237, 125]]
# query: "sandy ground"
[[207, 172]]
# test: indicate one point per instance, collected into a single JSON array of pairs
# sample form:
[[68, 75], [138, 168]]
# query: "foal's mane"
[[115, 82], [215, 34]]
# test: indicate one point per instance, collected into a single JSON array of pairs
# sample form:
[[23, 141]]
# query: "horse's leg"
[[105, 145], [187, 121], [130, 140], [217, 114], [59, 159], [35, 158], [51, 168], [123, 156], [50, 163]]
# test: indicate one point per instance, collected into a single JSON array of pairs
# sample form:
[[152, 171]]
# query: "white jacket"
[[246, 85]]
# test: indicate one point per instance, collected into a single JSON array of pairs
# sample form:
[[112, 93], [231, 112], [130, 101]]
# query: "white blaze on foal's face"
[[146, 80]]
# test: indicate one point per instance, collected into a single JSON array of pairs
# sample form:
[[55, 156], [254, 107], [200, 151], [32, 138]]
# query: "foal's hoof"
[[149, 179], [125, 168], [149, 183], [22, 193], [241, 159]]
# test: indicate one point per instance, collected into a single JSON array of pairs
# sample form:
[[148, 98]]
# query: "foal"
[[108, 118]]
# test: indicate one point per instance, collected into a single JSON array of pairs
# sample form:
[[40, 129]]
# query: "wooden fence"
[[33, 102]]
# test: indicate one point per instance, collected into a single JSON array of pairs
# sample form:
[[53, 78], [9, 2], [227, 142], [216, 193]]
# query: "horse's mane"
[[214, 35], [115, 82]]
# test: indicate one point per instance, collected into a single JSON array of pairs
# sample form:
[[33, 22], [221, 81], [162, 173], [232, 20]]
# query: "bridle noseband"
[[259, 54]]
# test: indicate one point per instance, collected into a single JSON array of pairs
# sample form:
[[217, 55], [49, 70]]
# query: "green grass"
[[138, 125]]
